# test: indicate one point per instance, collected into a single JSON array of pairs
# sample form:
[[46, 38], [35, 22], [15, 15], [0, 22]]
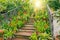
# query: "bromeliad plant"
[[14, 22], [34, 36], [7, 5], [41, 36], [42, 26], [44, 36], [11, 26], [8, 30]]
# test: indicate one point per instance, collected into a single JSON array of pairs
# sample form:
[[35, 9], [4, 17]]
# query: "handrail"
[[51, 21], [11, 10]]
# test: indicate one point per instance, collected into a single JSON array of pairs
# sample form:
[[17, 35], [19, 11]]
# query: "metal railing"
[[51, 21], [10, 13]]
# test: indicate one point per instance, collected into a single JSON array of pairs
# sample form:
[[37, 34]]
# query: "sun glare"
[[37, 4]]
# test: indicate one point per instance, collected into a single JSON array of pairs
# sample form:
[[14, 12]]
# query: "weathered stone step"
[[27, 34], [20, 39], [31, 21], [23, 30], [31, 17], [28, 25], [28, 28]]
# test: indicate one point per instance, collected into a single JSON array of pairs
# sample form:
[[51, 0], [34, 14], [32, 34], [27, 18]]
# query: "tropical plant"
[[44, 36], [42, 25], [20, 24], [33, 36], [55, 4], [7, 5]]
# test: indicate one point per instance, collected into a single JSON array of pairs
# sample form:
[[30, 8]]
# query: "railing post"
[[51, 21]]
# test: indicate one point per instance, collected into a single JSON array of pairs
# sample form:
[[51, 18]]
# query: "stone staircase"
[[25, 32]]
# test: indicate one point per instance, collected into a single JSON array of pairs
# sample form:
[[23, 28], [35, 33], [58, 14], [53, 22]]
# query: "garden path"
[[25, 32]]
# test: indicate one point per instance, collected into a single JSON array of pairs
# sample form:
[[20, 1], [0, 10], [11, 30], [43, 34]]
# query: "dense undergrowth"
[[42, 26], [15, 13]]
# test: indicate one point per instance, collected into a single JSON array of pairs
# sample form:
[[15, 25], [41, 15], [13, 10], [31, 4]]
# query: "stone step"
[[31, 17], [28, 28], [26, 34], [23, 30], [28, 25], [31, 21], [20, 39]]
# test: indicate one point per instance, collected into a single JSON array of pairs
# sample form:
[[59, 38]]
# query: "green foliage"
[[34, 37], [7, 30], [11, 24], [11, 27], [26, 17], [55, 4], [42, 26], [41, 15], [44, 36], [4, 25], [7, 5], [20, 24], [7, 34]]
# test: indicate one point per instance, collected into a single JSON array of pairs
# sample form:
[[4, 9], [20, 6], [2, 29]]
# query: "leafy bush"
[[20, 24], [7, 5], [55, 4], [44, 36], [42, 26], [34, 37], [10, 27], [13, 22]]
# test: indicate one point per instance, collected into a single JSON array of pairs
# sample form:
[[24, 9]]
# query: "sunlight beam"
[[37, 4]]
